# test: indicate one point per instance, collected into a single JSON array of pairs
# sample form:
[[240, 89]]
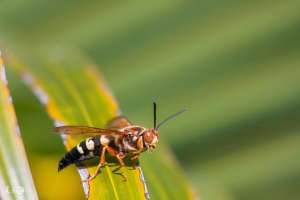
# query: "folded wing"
[[86, 130]]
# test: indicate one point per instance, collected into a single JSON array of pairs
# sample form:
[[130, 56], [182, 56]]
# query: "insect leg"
[[101, 163], [120, 158], [102, 158], [122, 164], [134, 160]]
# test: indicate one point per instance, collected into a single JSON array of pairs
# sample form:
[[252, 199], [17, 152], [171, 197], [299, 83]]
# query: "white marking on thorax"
[[90, 145], [79, 149], [104, 141], [127, 146]]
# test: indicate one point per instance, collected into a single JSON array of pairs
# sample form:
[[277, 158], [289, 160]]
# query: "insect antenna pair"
[[156, 127]]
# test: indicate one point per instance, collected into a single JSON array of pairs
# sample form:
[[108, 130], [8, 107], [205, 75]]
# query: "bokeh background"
[[234, 64]]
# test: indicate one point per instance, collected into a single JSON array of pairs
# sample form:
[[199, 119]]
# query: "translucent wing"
[[85, 130], [118, 123]]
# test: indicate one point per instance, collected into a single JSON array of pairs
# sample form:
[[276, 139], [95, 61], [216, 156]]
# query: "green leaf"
[[15, 177], [235, 65], [74, 93]]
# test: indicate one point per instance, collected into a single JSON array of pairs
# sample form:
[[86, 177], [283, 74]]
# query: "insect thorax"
[[130, 141]]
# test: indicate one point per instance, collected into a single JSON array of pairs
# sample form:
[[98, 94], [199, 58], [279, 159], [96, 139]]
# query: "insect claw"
[[125, 177], [103, 164], [91, 178]]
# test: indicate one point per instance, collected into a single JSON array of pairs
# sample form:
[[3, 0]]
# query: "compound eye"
[[148, 137]]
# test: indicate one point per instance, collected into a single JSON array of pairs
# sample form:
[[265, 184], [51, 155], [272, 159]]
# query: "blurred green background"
[[234, 64]]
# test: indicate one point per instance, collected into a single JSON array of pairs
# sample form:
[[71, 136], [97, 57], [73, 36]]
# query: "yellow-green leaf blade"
[[75, 94], [15, 177]]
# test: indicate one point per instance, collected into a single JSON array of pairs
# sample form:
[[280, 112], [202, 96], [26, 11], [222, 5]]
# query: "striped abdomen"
[[86, 149]]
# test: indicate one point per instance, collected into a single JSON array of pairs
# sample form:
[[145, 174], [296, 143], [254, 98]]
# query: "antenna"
[[169, 118], [154, 115]]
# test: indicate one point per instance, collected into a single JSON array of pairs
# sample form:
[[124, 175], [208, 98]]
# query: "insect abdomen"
[[84, 150]]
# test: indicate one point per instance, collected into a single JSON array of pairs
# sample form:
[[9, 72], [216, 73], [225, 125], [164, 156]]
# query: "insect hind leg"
[[120, 158], [102, 162]]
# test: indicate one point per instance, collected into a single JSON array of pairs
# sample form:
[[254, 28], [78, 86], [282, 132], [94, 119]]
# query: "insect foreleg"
[[134, 160]]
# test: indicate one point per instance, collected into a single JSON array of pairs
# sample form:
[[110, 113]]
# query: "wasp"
[[119, 139]]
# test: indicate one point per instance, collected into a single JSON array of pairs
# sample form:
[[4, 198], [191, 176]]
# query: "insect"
[[119, 139]]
